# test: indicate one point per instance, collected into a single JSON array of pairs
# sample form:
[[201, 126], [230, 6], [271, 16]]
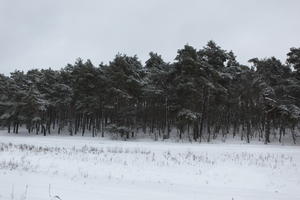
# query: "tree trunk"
[[248, 131], [267, 129]]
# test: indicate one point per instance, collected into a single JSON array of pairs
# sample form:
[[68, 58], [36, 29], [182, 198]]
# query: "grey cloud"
[[52, 33]]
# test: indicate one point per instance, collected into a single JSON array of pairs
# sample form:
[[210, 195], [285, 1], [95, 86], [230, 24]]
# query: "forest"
[[203, 95]]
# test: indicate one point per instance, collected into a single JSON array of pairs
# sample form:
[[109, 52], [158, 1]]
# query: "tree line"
[[202, 95]]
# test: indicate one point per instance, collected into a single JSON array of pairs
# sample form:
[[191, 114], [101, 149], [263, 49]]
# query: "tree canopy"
[[204, 94]]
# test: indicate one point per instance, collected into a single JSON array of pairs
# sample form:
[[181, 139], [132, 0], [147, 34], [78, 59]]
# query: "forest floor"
[[84, 168]]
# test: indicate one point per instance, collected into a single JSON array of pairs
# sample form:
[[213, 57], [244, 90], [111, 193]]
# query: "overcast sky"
[[52, 33]]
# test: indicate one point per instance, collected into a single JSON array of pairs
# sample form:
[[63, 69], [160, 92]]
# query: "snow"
[[76, 168]]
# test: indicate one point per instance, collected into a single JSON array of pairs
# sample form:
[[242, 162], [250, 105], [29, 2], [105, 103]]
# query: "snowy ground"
[[76, 168]]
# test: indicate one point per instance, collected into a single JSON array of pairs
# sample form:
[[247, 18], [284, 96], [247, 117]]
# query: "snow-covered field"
[[77, 168]]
